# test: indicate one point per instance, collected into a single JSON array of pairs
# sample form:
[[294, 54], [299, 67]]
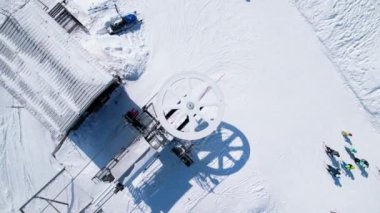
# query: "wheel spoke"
[[192, 123], [179, 118], [208, 120], [204, 92], [230, 138], [236, 148], [208, 104], [171, 106], [220, 162], [228, 155]]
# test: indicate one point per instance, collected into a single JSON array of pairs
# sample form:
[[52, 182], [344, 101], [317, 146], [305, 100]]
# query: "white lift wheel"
[[190, 106]]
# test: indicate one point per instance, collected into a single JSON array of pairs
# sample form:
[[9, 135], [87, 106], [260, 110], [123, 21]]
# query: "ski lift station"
[[58, 87], [57, 81]]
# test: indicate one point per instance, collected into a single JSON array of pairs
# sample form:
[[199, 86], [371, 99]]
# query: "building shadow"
[[215, 158], [104, 133]]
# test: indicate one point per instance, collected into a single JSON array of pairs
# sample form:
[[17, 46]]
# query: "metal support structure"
[[50, 204], [54, 201], [39, 191]]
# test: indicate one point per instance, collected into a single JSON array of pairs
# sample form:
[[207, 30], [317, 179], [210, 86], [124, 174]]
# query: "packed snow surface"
[[350, 31], [294, 75]]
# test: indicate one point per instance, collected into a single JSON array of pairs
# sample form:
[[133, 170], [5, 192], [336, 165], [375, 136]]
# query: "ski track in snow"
[[19, 157], [11, 145], [350, 31], [249, 193]]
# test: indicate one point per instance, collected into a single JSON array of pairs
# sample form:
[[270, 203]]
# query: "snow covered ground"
[[350, 32], [285, 95], [124, 55], [24, 154]]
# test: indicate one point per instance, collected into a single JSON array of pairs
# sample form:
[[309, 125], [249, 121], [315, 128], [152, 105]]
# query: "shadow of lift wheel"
[[226, 151], [190, 106]]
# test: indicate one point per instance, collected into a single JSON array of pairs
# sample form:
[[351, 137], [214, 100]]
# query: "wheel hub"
[[190, 105]]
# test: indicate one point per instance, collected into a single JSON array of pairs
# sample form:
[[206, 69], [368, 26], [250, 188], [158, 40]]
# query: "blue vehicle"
[[122, 24]]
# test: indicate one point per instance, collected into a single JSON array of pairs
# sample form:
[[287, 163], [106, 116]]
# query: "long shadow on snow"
[[352, 156], [363, 172], [347, 140], [221, 154], [347, 171], [104, 133], [336, 179], [135, 27], [333, 160]]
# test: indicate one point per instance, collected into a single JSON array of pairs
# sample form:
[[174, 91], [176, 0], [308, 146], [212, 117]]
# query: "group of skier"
[[335, 171]]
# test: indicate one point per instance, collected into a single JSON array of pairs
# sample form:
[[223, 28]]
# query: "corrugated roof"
[[46, 70]]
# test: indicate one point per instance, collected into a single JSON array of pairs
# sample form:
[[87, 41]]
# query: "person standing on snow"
[[349, 166], [333, 171], [352, 150], [357, 160], [346, 134], [362, 162], [332, 152]]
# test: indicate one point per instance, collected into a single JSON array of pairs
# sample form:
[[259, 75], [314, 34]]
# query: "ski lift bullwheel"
[[190, 106]]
